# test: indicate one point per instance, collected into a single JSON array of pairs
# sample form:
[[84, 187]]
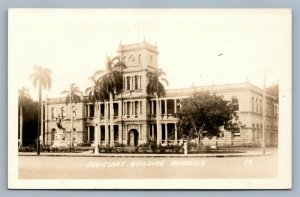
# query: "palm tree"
[[23, 95], [155, 86], [41, 78], [73, 97], [111, 84], [95, 95]]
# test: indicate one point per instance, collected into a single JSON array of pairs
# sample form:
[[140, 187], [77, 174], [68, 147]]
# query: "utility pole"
[[263, 145]]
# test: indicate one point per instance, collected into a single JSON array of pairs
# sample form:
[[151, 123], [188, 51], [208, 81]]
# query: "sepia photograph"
[[149, 98]]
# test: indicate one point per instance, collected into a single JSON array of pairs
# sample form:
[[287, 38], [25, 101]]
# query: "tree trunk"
[[106, 123], [42, 120], [111, 120], [199, 140], [97, 131], [21, 126], [158, 127], [71, 140], [39, 119]]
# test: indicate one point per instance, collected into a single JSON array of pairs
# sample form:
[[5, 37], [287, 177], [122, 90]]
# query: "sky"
[[200, 47]]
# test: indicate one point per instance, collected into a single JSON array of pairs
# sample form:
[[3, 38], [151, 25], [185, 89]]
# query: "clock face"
[[131, 59]]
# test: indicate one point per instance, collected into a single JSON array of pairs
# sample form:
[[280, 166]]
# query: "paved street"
[[53, 167]]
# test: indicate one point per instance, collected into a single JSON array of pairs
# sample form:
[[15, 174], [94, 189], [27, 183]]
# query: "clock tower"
[[139, 55], [140, 58]]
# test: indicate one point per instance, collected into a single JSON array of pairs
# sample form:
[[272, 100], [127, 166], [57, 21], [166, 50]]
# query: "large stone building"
[[135, 112]]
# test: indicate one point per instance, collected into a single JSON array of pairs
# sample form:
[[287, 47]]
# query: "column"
[[175, 133], [99, 138], [140, 82], [141, 135], [96, 139], [106, 127], [152, 131], [120, 133], [166, 133], [124, 108], [120, 109], [152, 107], [125, 83], [88, 110], [88, 134], [175, 107], [166, 107]]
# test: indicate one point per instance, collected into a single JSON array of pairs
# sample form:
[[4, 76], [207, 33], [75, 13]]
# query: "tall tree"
[[95, 95], [73, 97], [111, 84], [41, 78], [207, 112], [155, 86], [23, 95]]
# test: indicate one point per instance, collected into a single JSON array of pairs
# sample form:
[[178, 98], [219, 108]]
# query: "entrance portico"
[[133, 138]]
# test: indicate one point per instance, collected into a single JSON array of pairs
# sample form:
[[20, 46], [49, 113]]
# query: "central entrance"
[[133, 137]]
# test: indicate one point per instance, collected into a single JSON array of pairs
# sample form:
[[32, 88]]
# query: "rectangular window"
[[91, 111], [128, 109], [102, 110], [136, 84], [116, 109], [102, 133], [128, 83], [116, 132], [136, 108]]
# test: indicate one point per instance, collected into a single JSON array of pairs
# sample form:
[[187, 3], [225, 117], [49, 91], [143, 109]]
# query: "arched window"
[[235, 103], [53, 134]]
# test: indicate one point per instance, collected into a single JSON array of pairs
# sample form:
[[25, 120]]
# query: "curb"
[[150, 155]]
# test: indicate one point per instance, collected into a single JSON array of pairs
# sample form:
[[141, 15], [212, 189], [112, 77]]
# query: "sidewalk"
[[90, 154]]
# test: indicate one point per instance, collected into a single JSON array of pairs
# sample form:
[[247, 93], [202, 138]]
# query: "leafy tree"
[[111, 84], [155, 86], [207, 112], [41, 78], [23, 96], [73, 97], [30, 121]]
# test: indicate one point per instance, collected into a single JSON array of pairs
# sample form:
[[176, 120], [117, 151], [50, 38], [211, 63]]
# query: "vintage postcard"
[[149, 98]]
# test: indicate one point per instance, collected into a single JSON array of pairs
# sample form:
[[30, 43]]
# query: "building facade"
[[134, 111]]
